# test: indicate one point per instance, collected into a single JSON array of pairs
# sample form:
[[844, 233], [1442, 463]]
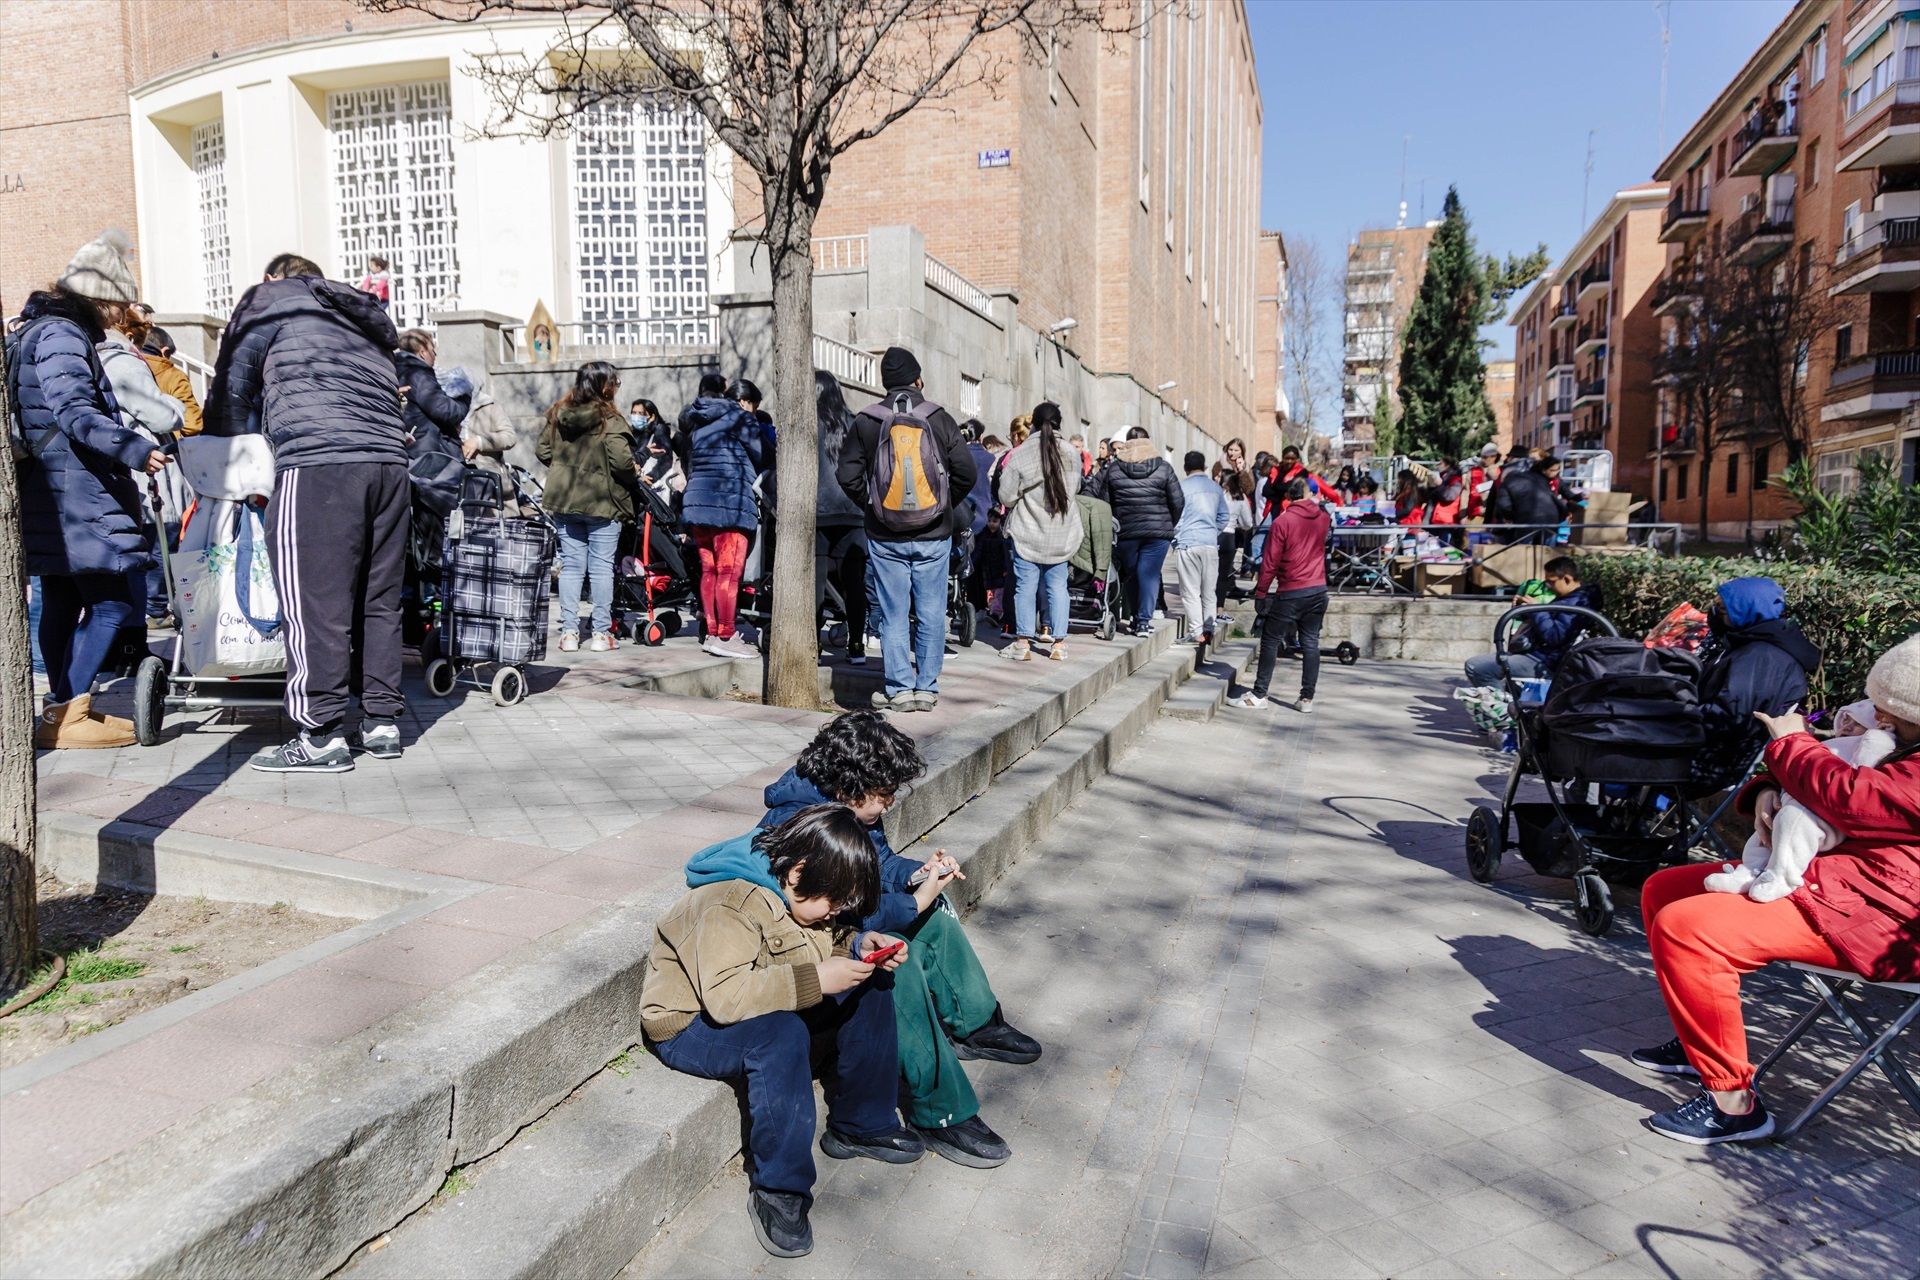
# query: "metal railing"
[[1380, 559], [1598, 273], [849, 364], [1593, 388], [1593, 330], [958, 287], [578, 336], [199, 374], [1769, 120], [1680, 281], [1879, 364], [1674, 362], [1678, 208], [1887, 231], [834, 254], [1770, 218]]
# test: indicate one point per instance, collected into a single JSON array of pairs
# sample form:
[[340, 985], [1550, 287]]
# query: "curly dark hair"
[[830, 847], [859, 754]]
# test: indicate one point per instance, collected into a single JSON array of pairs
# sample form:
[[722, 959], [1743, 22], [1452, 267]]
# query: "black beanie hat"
[[898, 368]]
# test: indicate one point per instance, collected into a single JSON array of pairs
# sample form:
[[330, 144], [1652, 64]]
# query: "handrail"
[[586, 335], [199, 374], [848, 364], [958, 287], [835, 254]]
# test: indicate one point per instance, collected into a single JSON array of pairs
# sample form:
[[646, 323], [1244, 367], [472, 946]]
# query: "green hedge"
[[1853, 617]]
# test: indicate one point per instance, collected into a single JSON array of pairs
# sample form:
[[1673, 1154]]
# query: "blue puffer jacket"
[[897, 909], [723, 458], [79, 504], [310, 361]]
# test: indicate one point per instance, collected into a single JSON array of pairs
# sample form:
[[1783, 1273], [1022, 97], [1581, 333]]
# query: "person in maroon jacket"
[[1859, 909], [1291, 592]]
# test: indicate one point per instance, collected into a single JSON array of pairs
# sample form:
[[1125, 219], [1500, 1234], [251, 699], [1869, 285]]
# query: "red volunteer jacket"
[[1295, 556]]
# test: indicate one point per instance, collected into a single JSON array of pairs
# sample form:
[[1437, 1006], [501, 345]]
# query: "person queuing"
[[1146, 500], [725, 445], [1205, 521], [431, 414], [1480, 479], [310, 361], [1043, 524], [158, 416], [81, 531], [157, 349], [907, 466], [840, 537], [1530, 498], [652, 444], [1291, 592], [589, 492]]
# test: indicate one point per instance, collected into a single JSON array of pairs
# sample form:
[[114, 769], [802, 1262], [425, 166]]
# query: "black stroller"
[[655, 576], [1613, 740]]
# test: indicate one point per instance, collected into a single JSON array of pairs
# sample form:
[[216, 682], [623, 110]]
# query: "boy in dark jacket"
[[1291, 592], [310, 362], [758, 960], [1538, 648], [909, 569], [944, 1008]]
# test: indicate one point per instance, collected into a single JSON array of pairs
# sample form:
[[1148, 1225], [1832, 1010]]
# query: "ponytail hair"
[[1053, 468]]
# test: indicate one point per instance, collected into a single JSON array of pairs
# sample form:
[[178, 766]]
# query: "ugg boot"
[[119, 724], [68, 725]]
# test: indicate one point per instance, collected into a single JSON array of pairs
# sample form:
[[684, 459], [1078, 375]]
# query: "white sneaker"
[[602, 642], [734, 647], [711, 644], [569, 642], [1305, 706], [1250, 700]]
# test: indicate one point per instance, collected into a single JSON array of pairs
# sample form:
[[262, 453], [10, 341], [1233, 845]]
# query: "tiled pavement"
[[1286, 1036]]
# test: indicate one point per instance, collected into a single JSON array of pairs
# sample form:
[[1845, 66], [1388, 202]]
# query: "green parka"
[[589, 460]]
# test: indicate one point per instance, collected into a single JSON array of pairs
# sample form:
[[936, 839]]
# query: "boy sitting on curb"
[[943, 1005], [752, 964]]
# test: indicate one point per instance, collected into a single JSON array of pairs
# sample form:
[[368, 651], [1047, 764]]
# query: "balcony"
[[1884, 257], [1681, 223], [1762, 232], [1883, 116], [1675, 438], [1561, 366], [1593, 392], [1677, 290], [1595, 280], [1560, 406], [1881, 383], [1592, 337], [1673, 366], [1767, 140], [1568, 313]]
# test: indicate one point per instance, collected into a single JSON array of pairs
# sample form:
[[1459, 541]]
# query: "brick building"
[[1500, 383], [1806, 165], [1116, 188], [1384, 269]]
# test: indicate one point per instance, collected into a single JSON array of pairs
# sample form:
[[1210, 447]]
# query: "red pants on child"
[[1702, 942], [723, 555]]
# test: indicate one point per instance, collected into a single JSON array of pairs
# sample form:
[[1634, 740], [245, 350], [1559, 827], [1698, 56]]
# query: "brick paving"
[[1287, 1036]]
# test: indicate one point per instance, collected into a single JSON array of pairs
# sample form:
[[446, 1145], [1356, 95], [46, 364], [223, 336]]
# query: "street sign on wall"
[[1000, 158]]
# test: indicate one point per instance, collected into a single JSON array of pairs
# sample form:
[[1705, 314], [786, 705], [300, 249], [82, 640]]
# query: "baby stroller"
[[962, 618], [1093, 588], [1612, 737], [654, 574], [499, 582]]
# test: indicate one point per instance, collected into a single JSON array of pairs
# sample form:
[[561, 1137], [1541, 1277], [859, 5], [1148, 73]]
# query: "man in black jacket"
[[1529, 498], [310, 362], [1147, 501], [908, 569]]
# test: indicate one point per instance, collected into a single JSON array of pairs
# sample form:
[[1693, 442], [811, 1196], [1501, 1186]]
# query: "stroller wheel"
[[149, 700], [439, 677], [966, 624], [1348, 653], [653, 633], [509, 686], [1483, 844], [670, 623], [1107, 625], [1593, 905], [430, 645]]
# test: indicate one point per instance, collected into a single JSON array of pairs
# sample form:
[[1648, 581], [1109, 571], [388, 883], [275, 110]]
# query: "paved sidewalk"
[[1287, 1036]]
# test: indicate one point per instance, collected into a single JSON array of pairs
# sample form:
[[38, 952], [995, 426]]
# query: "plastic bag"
[[1684, 628], [229, 611]]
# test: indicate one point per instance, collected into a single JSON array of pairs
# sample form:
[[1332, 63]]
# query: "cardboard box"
[[1437, 578], [1603, 509], [1505, 564]]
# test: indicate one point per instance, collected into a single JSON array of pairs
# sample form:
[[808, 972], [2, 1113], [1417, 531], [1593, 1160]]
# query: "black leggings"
[[842, 554]]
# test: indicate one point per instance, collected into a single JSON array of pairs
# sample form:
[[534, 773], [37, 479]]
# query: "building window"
[[1837, 472], [1817, 59], [1680, 482], [1762, 466], [1843, 344], [969, 396], [209, 151], [1144, 52], [1663, 482], [392, 149], [1193, 15], [1166, 116], [1733, 473], [640, 234]]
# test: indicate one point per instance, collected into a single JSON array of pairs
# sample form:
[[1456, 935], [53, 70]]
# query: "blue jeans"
[[1484, 670], [771, 1051], [156, 578], [1140, 561], [587, 544], [911, 581], [75, 650], [1029, 581]]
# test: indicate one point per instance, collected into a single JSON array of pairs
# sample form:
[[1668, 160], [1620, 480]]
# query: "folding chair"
[[1876, 1050]]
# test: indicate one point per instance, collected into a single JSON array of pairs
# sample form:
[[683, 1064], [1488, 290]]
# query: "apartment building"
[[1099, 208], [1585, 339], [1500, 384], [1806, 168], [1384, 269]]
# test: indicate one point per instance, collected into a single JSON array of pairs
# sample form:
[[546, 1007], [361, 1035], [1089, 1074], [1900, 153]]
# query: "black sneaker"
[[857, 652], [305, 754], [780, 1220], [970, 1143], [1701, 1123], [1668, 1059], [902, 1146], [377, 738], [998, 1041]]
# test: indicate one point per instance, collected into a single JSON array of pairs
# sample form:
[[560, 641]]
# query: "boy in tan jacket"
[[758, 959]]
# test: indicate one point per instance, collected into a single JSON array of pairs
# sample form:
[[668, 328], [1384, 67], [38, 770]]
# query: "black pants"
[[1281, 615], [1224, 586], [338, 537], [842, 554]]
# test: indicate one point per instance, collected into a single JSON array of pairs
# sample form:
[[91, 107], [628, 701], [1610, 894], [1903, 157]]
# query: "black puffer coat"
[[1145, 496], [429, 407], [79, 504], [1526, 497], [310, 361]]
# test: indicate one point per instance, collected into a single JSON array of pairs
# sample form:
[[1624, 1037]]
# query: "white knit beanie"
[[101, 270], [1894, 682]]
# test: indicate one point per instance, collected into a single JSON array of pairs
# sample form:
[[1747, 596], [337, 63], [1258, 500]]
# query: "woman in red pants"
[[1859, 909]]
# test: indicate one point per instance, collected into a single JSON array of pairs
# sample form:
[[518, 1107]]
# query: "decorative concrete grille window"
[[969, 396], [638, 185], [208, 147], [392, 148]]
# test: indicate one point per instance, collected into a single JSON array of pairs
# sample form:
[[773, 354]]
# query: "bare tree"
[[1777, 313], [20, 929], [1703, 364], [1311, 365], [787, 87]]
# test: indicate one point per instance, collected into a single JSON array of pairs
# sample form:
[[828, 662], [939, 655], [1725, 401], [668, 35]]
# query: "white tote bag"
[[230, 614]]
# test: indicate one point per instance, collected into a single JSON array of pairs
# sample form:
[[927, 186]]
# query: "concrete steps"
[[587, 1187], [1417, 630]]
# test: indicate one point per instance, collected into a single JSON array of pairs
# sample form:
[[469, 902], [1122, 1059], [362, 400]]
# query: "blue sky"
[[1498, 96]]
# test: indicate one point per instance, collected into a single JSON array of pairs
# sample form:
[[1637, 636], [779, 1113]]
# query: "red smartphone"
[[884, 953]]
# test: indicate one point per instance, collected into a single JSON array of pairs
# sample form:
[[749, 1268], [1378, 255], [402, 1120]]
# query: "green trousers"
[[940, 988]]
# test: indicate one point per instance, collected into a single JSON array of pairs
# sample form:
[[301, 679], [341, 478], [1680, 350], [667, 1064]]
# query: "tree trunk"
[[20, 928], [1706, 471], [793, 649]]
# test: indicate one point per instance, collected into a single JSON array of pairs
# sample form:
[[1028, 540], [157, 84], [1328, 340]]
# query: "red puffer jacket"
[[1864, 896]]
